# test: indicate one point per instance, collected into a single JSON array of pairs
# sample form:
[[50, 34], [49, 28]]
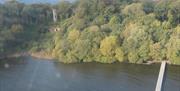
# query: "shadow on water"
[[31, 74]]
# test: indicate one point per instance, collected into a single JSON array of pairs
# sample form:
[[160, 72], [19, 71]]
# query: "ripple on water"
[[44, 75]]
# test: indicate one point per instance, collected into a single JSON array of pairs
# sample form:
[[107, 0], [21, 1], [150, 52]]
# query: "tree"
[[120, 55], [137, 42], [64, 10], [161, 10], [143, 51], [103, 31], [99, 20], [81, 49], [107, 49], [157, 52], [173, 47], [36, 14], [94, 37], [108, 46], [135, 9], [16, 28], [73, 35], [173, 14], [115, 24], [70, 58], [133, 57], [148, 7]]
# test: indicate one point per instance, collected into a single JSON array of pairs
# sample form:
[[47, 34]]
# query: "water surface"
[[31, 74]]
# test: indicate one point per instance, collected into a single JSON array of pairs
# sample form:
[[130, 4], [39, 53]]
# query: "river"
[[31, 74]]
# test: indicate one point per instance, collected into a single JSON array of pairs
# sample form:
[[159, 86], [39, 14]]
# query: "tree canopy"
[[106, 31]]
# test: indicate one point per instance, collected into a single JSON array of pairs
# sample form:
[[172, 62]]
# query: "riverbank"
[[40, 55], [44, 55], [156, 62], [14, 55]]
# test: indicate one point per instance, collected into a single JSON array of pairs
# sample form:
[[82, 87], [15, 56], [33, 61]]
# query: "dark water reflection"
[[30, 74]]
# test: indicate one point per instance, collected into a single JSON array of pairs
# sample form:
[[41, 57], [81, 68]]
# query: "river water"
[[31, 74]]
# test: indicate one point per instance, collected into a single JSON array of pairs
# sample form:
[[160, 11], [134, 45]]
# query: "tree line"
[[21, 23], [106, 31]]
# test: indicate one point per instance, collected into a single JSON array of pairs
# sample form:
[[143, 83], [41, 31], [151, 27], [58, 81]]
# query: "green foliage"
[[135, 9], [174, 13], [100, 20], [133, 57], [108, 45], [64, 10], [120, 55], [105, 31], [81, 48], [17, 28], [114, 20], [157, 51], [148, 7], [70, 58], [73, 35], [143, 52], [173, 47]]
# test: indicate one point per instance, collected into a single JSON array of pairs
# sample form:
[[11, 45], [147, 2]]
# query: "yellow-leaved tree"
[[173, 47], [108, 49], [108, 45], [73, 35]]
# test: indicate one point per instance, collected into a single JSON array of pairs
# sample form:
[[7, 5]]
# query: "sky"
[[39, 1]]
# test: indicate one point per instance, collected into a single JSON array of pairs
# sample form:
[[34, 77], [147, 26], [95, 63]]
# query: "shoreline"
[[43, 55]]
